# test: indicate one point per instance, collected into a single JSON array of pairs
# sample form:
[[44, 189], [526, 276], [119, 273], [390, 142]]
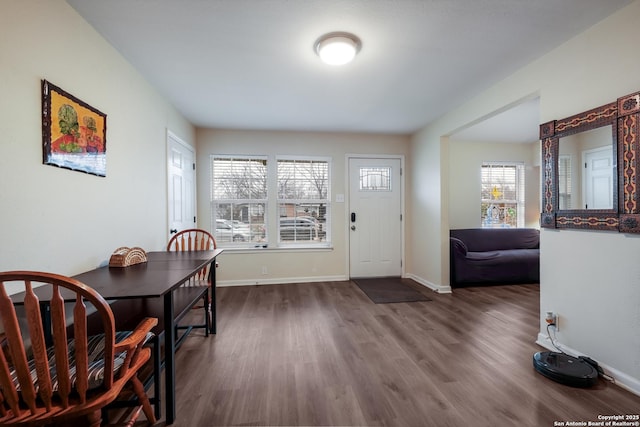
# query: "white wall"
[[465, 162], [63, 221], [245, 267], [591, 279]]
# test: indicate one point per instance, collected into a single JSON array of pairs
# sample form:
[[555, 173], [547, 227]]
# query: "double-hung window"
[[303, 200], [502, 203], [239, 201], [257, 202]]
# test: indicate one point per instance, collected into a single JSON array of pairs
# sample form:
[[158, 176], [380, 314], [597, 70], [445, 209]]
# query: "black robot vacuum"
[[572, 371]]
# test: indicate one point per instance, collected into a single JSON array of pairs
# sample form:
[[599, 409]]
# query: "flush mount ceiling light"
[[337, 48]]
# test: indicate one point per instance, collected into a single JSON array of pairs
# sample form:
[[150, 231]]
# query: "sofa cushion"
[[508, 266], [502, 257], [495, 239]]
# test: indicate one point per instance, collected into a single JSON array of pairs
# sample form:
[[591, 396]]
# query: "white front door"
[[598, 178], [375, 217], [181, 185]]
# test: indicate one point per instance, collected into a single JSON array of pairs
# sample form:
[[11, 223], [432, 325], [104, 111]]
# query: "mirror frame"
[[624, 116]]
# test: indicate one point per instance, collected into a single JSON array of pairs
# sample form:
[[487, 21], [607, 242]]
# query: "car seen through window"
[[299, 229]]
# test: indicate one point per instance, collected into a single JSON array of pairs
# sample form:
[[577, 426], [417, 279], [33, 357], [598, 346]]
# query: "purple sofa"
[[494, 255]]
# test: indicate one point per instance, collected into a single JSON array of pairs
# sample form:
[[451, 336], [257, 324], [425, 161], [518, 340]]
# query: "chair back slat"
[[17, 352], [60, 344], [38, 345], [190, 240], [10, 323], [3, 410], [81, 347], [6, 384]]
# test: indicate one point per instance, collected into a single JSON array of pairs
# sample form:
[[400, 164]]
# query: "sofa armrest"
[[458, 248]]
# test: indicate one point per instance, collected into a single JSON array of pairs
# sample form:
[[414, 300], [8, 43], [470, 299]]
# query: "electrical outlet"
[[264, 270], [552, 320]]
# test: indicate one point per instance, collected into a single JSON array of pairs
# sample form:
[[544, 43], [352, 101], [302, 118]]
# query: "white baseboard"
[[279, 281], [254, 282], [621, 379], [436, 288]]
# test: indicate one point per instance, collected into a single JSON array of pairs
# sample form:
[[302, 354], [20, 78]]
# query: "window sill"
[[283, 249]]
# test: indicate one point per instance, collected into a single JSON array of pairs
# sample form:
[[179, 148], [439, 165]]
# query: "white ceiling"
[[250, 64]]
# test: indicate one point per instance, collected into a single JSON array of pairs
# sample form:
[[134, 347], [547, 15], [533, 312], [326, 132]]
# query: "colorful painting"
[[74, 134]]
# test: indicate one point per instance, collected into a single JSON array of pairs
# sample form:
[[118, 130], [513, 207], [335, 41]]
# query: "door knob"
[[173, 230], [353, 227]]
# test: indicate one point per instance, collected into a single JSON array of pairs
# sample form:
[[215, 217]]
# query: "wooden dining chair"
[[51, 370], [196, 239]]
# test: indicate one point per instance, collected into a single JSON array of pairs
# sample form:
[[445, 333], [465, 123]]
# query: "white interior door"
[[375, 217], [181, 185], [598, 178]]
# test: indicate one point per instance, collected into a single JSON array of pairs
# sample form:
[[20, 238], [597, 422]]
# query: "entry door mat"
[[385, 290]]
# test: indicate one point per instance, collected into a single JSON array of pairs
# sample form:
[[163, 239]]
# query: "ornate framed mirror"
[[590, 162]]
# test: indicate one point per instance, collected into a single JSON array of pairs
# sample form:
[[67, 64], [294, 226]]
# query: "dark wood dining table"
[[160, 277], [155, 288]]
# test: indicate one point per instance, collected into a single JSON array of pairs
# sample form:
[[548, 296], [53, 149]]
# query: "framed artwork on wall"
[[74, 134]]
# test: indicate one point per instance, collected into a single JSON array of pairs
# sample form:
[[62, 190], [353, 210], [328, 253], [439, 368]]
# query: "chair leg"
[[207, 310], [134, 417], [157, 363], [138, 388]]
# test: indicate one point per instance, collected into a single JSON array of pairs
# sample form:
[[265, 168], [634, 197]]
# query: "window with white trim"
[[292, 190], [303, 200], [502, 199], [239, 199]]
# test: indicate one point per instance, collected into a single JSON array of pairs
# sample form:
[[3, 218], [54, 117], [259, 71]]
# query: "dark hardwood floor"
[[322, 354]]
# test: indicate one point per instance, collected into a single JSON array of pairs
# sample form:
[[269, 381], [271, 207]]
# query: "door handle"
[[353, 217], [173, 230]]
